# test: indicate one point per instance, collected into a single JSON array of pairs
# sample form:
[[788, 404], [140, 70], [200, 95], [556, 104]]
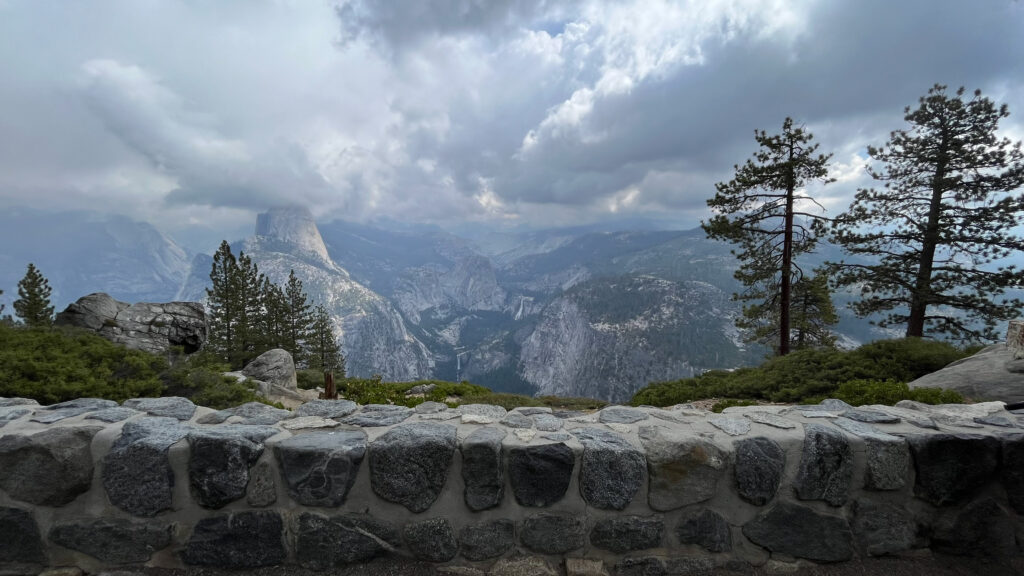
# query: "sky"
[[196, 115]]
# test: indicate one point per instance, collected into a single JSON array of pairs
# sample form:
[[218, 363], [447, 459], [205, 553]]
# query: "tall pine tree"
[[946, 210], [222, 303], [324, 351], [33, 303], [298, 318], [762, 210], [811, 316]]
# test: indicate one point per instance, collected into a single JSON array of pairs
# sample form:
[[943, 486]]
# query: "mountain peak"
[[293, 225]]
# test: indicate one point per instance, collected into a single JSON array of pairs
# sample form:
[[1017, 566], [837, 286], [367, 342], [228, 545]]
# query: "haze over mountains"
[[564, 312]]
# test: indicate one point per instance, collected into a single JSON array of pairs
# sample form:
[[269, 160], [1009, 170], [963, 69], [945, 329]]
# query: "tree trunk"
[[785, 287], [921, 297], [330, 393]]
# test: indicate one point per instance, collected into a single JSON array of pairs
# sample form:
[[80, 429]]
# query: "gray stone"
[[421, 389], [155, 328], [522, 566], [950, 467], [770, 420], [554, 533], [110, 415], [20, 535], [644, 566], [137, 474], [115, 541], [557, 436], [706, 529], [826, 466], [834, 405], [517, 420], [170, 406], [888, 457], [540, 474], [628, 533], [759, 465], [913, 417], [486, 540], [731, 426], [49, 417], [1013, 470], [818, 414], [483, 472], [250, 414], [533, 410], [323, 542], [239, 540], [487, 411], [547, 422], [690, 566], [8, 402], [375, 415], [432, 540], [799, 531], [409, 463], [611, 470], [622, 415], [682, 469], [327, 408], [308, 423], [567, 414], [584, 567], [319, 468], [218, 466], [86, 403], [996, 420], [262, 486], [49, 468], [431, 407], [981, 529], [11, 414], [983, 376], [275, 367], [880, 528], [871, 416]]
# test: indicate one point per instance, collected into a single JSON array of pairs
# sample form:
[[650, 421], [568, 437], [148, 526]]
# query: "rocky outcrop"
[[154, 328], [273, 373], [994, 373]]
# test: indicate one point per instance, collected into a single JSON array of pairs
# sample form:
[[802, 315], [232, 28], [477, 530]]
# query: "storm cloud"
[[194, 115]]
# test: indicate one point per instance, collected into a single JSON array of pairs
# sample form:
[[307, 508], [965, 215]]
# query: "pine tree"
[[324, 349], [811, 316], [248, 285], [944, 213], [762, 210], [33, 303], [298, 317], [222, 303], [272, 322]]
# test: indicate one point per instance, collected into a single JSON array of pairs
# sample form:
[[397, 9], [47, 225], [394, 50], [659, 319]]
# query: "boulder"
[[274, 367], [154, 328], [992, 374]]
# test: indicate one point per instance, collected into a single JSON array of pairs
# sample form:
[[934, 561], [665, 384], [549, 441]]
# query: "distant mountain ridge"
[[565, 312]]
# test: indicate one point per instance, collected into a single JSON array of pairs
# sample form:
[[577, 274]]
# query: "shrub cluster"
[[875, 373]]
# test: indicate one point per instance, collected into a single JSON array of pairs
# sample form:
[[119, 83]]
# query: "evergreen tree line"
[[922, 243], [32, 307], [248, 315]]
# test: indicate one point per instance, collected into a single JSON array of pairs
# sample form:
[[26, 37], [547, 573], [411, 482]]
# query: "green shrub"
[[729, 402], [375, 391], [806, 375], [889, 392], [57, 364], [309, 379], [200, 378]]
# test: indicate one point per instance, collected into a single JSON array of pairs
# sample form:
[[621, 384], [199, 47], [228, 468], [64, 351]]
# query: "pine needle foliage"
[[33, 303], [763, 210], [948, 199]]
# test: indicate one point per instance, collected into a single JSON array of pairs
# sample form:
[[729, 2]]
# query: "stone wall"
[[478, 490]]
